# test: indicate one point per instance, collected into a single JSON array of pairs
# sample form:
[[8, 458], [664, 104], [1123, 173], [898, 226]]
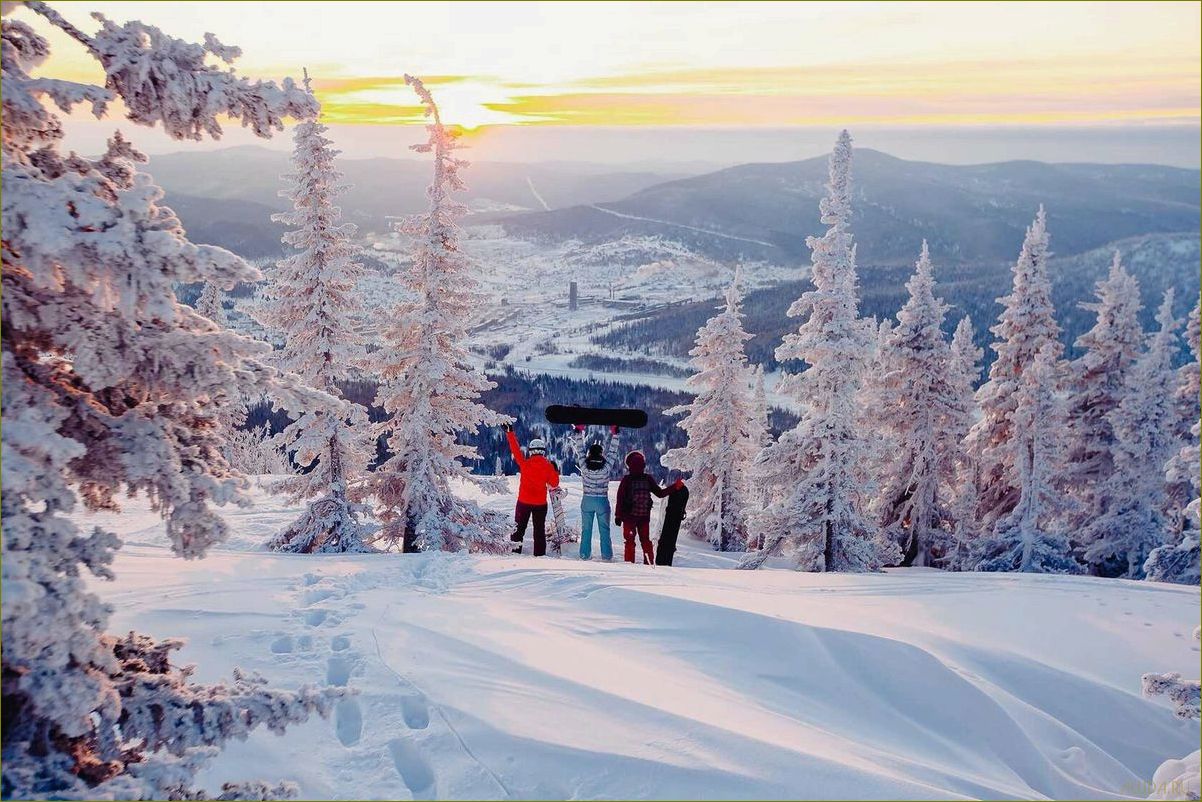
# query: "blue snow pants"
[[590, 507]]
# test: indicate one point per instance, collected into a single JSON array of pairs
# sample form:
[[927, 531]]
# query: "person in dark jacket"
[[633, 509]]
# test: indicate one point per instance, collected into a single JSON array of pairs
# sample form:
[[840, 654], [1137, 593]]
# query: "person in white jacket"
[[596, 464]]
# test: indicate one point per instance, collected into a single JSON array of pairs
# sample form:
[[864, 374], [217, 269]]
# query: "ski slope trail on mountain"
[[699, 230]]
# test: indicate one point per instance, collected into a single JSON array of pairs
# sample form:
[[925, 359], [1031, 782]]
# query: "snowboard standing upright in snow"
[[673, 517], [559, 521]]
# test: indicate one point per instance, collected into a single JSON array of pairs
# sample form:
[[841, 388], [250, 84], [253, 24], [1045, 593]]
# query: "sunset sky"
[[742, 65]]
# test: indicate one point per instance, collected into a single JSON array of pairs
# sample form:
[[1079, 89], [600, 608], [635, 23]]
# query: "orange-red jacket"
[[537, 474]]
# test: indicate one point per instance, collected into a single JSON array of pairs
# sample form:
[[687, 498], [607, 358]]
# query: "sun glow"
[[713, 64]]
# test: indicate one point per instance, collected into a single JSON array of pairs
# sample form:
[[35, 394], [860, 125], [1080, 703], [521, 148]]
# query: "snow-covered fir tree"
[[759, 410], [722, 430], [1095, 385], [762, 436], [1181, 487], [309, 302], [1027, 538], [230, 416], [110, 386], [1131, 519], [1178, 559], [818, 506], [963, 371], [879, 442], [918, 409], [211, 303], [1026, 326], [430, 390], [253, 450]]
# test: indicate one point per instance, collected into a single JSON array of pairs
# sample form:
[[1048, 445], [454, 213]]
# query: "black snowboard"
[[673, 516], [593, 416]]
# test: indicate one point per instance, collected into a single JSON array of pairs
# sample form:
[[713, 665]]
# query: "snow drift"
[[509, 677]]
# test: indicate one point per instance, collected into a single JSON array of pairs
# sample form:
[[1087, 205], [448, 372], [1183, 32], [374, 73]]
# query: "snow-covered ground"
[[511, 677]]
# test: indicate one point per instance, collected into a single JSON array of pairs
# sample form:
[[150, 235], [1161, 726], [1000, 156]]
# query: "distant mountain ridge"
[[379, 188], [1158, 261], [968, 214]]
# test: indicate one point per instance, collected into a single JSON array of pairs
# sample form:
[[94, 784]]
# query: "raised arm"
[[577, 443], [611, 448], [515, 449]]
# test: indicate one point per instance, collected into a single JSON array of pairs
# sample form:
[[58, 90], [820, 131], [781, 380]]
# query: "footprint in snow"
[[317, 617], [412, 768], [316, 595], [338, 671], [348, 721], [415, 711], [282, 645]]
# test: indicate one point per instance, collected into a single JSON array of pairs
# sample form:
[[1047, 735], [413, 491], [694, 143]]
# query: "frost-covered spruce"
[[722, 430], [430, 390], [253, 451], [1131, 520], [310, 302], [1026, 538], [963, 370], [762, 436], [813, 471], [211, 303], [1181, 471], [919, 409], [880, 443], [110, 386], [1025, 326], [1095, 385], [759, 410], [1178, 560]]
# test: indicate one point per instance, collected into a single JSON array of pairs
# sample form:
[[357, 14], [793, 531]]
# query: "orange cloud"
[[334, 111], [616, 109]]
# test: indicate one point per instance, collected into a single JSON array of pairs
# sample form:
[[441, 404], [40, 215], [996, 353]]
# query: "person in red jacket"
[[633, 509], [537, 474]]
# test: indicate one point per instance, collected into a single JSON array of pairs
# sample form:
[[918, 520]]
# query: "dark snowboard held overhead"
[[595, 416]]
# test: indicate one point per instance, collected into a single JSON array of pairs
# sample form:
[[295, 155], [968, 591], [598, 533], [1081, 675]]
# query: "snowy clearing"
[[507, 677]]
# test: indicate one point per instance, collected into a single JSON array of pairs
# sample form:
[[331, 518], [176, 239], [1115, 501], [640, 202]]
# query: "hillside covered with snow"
[[510, 677]]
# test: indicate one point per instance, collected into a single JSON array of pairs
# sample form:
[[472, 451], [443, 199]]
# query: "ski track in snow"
[[511, 678], [537, 197], [709, 231]]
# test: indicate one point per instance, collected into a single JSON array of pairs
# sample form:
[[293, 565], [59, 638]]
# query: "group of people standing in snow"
[[632, 508]]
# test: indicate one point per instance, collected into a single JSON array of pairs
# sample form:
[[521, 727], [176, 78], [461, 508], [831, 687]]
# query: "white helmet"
[[537, 446]]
